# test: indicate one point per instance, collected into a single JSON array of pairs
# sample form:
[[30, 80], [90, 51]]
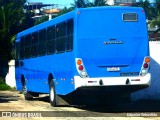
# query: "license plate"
[[113, 69]]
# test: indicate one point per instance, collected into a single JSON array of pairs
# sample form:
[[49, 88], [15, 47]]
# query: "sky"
[[62, 3]]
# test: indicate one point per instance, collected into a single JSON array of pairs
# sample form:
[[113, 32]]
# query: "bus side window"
[[42, 42], [28, 46], [60, 37], [69, 40], [34, 48], [51, 40], [22, 48]]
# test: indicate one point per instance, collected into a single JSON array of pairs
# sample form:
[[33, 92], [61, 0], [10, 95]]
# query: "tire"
[[27, 95], [52, 94]]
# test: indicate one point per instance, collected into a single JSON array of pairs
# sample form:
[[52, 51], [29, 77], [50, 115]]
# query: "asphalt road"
[[12, 104]]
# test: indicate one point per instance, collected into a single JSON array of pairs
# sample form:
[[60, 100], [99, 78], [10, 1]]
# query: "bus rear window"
[[130, 17]]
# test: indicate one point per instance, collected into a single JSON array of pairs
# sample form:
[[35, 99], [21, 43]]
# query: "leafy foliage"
[[11, 12], [99, 3], [41, 20], [87, 3], [63, 11], [80, 3], [12, 20], [4, 86], [152, 11], [155, 23]]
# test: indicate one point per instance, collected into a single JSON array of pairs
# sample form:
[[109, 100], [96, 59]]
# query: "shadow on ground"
[[146, 105], [138, 106], [6, 99]]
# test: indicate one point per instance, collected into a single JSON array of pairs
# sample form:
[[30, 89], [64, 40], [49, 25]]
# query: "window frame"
[[42, 42], [35, 45], [28, 45], [61, 34], [51, 48], [70, 32]]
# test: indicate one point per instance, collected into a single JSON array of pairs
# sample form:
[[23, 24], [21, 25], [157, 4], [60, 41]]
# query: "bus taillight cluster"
[[146, 64], [80, 65], [145, 67], [80, 68]]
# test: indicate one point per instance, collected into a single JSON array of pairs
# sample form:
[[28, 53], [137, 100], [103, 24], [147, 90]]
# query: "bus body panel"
[[37, 76], [108, 41]]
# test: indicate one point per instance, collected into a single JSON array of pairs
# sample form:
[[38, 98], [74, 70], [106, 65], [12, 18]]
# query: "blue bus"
[[99, 49]]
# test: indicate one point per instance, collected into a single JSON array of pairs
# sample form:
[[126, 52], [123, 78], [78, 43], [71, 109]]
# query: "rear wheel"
[[27, 95], [52, 94]]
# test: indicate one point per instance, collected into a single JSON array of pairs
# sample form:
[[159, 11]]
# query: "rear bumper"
[[133, 83]]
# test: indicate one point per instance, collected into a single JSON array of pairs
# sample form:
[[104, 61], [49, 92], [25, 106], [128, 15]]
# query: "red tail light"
[[81, 67], [145, 65]]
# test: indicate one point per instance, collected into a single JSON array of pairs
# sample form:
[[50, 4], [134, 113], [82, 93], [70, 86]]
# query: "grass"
[[4, 86]]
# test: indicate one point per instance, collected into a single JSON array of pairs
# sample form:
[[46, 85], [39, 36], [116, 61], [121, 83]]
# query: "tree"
[[157, 7], [26, 22], [146, 6], [155, 23], [99, 3], [150, 10], [63, 11], [81, 3], [87, 3], [11, 13], [41, 20]]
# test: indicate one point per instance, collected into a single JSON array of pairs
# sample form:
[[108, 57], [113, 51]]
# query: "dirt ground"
[[12, 104]]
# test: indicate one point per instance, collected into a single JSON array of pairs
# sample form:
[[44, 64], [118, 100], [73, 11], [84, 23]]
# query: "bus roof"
[[69, 15]]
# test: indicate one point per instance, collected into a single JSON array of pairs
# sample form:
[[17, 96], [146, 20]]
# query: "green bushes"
[[4, 86]]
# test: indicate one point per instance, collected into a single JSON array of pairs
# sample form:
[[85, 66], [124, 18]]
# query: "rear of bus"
[[112, 49]]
